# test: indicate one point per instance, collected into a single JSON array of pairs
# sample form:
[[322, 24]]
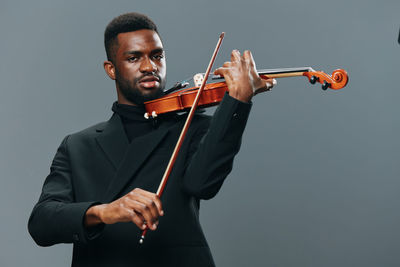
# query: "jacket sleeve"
[[57, 218], [214, 149]]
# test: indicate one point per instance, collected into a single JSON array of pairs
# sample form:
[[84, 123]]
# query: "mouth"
[[149, 82]]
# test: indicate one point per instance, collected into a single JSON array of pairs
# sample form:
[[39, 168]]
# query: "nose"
[[147, 65]]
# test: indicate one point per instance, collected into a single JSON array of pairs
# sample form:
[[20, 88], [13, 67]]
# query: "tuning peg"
[[325, 85], [313, 79]]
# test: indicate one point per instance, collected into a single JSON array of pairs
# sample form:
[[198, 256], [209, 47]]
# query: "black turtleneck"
[[135, 124]]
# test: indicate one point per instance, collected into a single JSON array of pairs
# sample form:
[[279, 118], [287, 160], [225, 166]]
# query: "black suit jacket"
[[99, 165]]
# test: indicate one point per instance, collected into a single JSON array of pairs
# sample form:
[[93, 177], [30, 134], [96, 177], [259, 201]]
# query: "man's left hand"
[[242, 78]]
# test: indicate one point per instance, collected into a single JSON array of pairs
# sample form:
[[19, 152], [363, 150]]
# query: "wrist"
[[240, 97], [93, 215]]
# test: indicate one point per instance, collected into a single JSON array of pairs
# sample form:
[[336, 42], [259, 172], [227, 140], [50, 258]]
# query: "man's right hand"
[[138, 206]]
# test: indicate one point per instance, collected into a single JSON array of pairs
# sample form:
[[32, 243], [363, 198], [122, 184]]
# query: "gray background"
[[316, 182]]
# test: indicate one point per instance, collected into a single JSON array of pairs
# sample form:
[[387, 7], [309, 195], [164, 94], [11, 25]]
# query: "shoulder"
[[90, 131], [85, 136]]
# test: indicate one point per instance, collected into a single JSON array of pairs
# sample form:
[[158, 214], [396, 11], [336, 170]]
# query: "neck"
[[122, 100]]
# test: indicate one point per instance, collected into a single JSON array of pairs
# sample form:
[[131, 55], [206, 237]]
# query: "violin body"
[[179, 101]]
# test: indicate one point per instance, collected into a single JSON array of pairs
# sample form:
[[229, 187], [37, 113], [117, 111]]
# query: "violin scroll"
[[336, 81]]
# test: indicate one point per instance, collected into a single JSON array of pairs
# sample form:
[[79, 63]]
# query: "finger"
[[143, 220], [272, 82], [153, 209], [267, 86], [227, 64], [147, 204], [226, 73], [222, 71], [154, 198], [139, 206], [269, 83], [235, 56], [136, 218], [145, 211], [248, 58], [146, 207]]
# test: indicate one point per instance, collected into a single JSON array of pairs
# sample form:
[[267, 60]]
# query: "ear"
[[110, 69]]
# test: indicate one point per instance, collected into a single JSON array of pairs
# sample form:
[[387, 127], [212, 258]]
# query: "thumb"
[[266, 86]]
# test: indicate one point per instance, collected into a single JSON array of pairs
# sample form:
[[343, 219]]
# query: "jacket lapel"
[[138, 151], [113, 140]]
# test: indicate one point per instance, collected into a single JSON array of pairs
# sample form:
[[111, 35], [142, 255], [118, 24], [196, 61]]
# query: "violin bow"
[[185, 128]]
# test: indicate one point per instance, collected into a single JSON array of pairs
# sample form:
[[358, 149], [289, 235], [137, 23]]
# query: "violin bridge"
[[198, 79]]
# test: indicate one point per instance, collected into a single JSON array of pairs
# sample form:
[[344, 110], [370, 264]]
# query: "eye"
[[158, 57], [133, 59]]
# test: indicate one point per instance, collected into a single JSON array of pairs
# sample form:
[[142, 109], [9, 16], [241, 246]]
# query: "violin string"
[[182, 84]]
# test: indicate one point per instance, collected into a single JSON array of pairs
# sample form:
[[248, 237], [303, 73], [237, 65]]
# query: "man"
[[99, 194]]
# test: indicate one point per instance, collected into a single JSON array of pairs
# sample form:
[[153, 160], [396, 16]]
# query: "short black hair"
[[127, 22]]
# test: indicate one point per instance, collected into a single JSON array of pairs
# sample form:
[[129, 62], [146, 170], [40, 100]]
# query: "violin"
[[206, 95], [214, 92]]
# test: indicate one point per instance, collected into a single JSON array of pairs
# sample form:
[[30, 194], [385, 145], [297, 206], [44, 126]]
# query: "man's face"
[[140, 67]]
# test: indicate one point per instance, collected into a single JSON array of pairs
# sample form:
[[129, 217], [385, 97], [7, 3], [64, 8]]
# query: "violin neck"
[[284, 72], [278, 73]]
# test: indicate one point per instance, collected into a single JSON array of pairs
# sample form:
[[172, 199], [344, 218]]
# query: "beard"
[[133, 94]]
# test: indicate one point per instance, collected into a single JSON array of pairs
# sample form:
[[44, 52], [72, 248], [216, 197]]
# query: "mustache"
[[149, 75]]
